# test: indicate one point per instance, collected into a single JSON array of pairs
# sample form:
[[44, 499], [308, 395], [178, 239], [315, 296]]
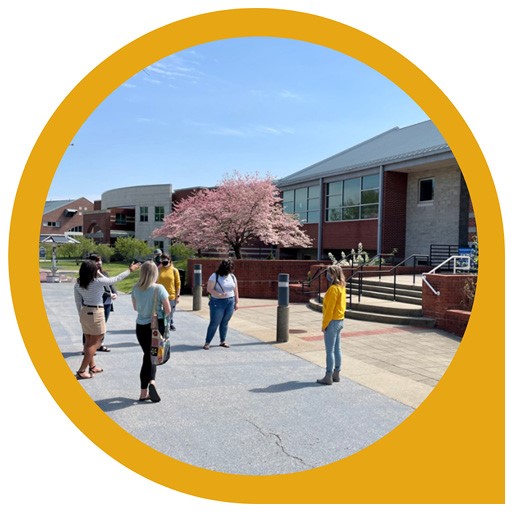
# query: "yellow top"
[[170, 278], [334, 305]]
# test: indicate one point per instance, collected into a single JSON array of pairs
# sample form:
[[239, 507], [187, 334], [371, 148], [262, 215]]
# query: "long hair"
[[148, 275], [87, 273], [226, 267], [338, 277]]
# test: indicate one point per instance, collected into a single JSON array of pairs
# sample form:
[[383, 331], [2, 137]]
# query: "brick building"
[[402, 189], [64, 217]]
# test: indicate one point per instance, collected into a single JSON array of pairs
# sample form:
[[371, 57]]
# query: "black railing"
[[316, 280], [392, 271]]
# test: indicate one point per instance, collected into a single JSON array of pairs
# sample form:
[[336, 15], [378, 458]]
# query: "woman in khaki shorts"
[[89, 303]]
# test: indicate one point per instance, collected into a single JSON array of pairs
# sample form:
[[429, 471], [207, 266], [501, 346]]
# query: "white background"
[[47, 48]]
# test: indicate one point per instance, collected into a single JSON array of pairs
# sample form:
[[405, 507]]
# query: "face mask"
[[165, 262]]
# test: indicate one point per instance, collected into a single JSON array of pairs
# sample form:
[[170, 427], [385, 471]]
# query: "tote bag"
[[160, 344]]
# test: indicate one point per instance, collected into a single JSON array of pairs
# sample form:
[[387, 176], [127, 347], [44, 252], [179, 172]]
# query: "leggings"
[[148, 370]]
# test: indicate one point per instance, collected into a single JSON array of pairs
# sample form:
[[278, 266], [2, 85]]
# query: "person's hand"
[[113, 296], [134, 266]]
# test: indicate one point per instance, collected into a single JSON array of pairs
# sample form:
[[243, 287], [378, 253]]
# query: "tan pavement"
[[403, 363]]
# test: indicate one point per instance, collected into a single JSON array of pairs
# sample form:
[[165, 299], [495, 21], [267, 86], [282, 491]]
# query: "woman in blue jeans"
[[334, 305], [223, 289]]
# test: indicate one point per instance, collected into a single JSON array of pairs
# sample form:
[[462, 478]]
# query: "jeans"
[[221, 311], [173, 309], [332, 340]]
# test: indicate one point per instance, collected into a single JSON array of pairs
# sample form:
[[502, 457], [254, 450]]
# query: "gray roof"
[[395, 145], [57, 239], [50, 206]]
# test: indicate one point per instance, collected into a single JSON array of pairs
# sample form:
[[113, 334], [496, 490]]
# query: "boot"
[[326, 380], [336, 376]]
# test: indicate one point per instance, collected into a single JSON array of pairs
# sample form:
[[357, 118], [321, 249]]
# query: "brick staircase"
[[379, 303]]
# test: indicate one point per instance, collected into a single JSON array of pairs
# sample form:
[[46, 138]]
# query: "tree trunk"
[[237, 251]]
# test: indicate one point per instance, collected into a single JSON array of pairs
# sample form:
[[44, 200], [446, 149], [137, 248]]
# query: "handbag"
[[160, 351]]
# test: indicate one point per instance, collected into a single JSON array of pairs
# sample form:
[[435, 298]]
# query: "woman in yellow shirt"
[[334, 305]]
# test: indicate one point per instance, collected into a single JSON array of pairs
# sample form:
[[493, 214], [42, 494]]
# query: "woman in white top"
[[144, 294], [88, 293], [223, 289]]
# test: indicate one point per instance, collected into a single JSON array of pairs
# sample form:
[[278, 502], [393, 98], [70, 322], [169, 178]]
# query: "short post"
[[283, 300], [197, 291]]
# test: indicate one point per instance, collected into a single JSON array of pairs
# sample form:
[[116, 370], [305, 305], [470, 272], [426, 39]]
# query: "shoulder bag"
[[160, 344]]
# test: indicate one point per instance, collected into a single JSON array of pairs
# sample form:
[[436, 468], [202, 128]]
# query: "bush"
[[130, 249]]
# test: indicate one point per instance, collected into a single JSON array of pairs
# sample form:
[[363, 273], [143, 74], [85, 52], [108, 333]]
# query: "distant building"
[[402, 189], [64, 217]]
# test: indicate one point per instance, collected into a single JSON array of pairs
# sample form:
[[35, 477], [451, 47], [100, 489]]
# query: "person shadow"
[[282, 387], [117, 403]]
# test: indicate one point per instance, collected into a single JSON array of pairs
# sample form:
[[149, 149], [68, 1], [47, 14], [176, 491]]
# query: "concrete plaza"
[[256, 408]]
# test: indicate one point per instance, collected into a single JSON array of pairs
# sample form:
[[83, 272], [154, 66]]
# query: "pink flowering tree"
[[241, 209]]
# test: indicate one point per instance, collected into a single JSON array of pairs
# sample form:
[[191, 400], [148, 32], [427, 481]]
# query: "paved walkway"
[[255, 408]]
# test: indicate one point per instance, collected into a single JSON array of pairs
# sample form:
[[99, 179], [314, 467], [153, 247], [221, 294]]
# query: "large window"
[[353, 199], [304, 203], [144, 214], [159, 213]]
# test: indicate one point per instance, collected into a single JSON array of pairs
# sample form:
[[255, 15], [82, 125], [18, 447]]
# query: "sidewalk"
[[256, 408]]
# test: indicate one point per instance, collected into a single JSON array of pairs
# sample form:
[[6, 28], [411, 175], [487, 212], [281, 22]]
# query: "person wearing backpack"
[[169, 277], [223, 290]]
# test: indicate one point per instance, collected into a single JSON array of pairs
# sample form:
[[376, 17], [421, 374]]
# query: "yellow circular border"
[[450, 450]]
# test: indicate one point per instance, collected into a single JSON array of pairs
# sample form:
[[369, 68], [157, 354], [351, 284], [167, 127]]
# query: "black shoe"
[[153, 395], [172, 328]]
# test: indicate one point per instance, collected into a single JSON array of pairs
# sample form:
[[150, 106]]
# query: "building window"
[[159, 213], [121, 218], [426, 190], [353, 199], [304, 203], [144, 214], [76, 229], [158, 244], [52, 224]]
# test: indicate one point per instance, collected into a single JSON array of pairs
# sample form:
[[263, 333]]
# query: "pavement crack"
[[279, 443]]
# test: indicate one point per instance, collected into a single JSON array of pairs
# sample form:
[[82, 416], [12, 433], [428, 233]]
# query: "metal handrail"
[[359, 273], [456, 267]]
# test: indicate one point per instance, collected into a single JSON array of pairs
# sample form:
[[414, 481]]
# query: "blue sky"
[[253, 104]]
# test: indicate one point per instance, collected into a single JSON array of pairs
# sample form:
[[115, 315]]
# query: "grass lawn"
[[113, 269]]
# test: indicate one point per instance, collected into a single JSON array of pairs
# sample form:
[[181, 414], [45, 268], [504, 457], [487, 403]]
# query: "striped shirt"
[[93, 295]]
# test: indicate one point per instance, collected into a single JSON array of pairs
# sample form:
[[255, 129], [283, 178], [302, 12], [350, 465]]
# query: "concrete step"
[[391, 319], [388, 296], [389, 312]]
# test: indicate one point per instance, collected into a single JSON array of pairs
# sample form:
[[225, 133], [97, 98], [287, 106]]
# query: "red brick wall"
[[344, 236], [451, 288], [394, 212], [96, 221], [256, 278]]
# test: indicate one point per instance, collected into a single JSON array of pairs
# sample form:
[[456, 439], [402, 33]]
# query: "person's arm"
[[328, 308], [177, 283], [134, 303], [123, 275], [210, 288], [237, 298], [78, 299]]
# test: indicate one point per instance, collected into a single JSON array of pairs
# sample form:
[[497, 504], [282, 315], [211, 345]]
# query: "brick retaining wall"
[[447, 308]]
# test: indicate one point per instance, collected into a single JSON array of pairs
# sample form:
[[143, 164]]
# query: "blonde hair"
[[148, 275], [336, 272]]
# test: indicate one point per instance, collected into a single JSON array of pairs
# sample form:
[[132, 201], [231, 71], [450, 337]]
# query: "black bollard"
[[283, 300], [197, 291]]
